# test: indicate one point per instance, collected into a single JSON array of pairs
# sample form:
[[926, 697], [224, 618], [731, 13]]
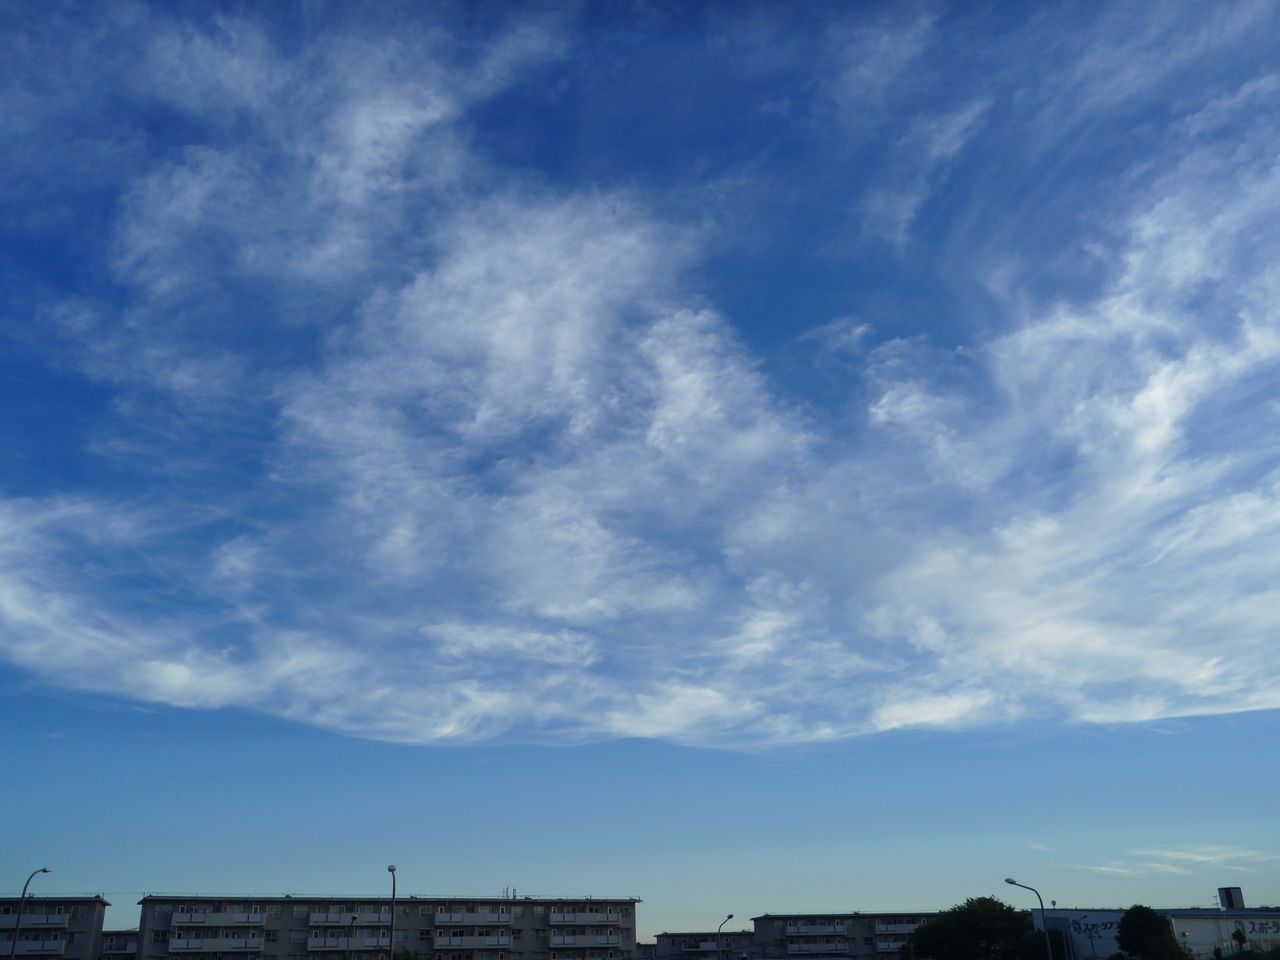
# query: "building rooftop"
[[344, 898]]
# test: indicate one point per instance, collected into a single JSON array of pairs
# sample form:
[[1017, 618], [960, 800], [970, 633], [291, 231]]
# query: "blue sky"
[[798, 456]]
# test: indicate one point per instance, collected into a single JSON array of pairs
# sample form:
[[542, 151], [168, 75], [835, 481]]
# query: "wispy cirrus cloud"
[[401, 438], [1140, 863]]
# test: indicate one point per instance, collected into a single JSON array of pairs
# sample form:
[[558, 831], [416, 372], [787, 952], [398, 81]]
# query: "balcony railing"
[[455, 940], [584, 917], [342, 918], [885, 946], [188, 918], [482, 919], [895, 927], [344, 944], [214, 944], [42, 948], [812, 929], [827, 947], [131, 947], [33, 921]]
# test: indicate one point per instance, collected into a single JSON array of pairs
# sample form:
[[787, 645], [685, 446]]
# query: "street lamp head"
[[391, 869], [1011, 880], [44, 870], [729, 917]]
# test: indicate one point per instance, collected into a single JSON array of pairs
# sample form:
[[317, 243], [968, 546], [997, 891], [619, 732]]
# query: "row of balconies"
[[231, 944], [343, 918], [32, 920]]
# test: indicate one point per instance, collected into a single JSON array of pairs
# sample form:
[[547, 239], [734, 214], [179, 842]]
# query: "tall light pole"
[[720, 939], [1044, 921], [351, 932], [17, 923], [391, 940]]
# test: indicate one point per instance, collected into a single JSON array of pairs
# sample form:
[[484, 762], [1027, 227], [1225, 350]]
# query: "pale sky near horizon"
[[748, 456]]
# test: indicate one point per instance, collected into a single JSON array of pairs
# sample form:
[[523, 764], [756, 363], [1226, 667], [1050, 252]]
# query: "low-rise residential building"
[[65, 927], [706, 945], [119, 945], [845, 936], [362, 928]]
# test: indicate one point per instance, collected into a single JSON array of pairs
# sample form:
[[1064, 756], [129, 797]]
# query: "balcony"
[[129, 948], [481, 919], [344, 944], [498, 940], [558, 941], [189, 918], [815, 929], [893, 944], [609, 939], [895, 927], [342, 919], [34, 921], [584, 917], [214, 944], [38, 948], [826, 948]]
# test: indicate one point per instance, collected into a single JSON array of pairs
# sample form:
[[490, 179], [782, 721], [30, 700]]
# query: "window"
[[272, 936], [159, 936], [300, 910]]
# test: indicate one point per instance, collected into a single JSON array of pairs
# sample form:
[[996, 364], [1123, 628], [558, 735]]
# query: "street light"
[[1044, 922], [720, 939], [391, 940], [17, 924], [351, 932]]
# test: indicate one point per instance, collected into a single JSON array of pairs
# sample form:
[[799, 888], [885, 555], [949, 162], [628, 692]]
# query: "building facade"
[[843, 936], [361, 928], [119, 945], [706, 945], [66, 927], [1091, 934]]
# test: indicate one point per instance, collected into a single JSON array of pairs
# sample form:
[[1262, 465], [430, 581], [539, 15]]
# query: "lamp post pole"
[[720, 939], [351, 932], [1044, 921], [17, 922], [391, 940]]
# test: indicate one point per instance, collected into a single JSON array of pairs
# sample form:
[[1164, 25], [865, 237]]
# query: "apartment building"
[[119, 945], [361, 928], [849, 936], [705, 945], [66, 927]]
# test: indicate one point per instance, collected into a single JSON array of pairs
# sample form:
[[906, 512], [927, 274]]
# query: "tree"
[[981, 928], [1145, 935]]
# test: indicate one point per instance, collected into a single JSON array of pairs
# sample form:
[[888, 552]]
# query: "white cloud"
[[418, 448]]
